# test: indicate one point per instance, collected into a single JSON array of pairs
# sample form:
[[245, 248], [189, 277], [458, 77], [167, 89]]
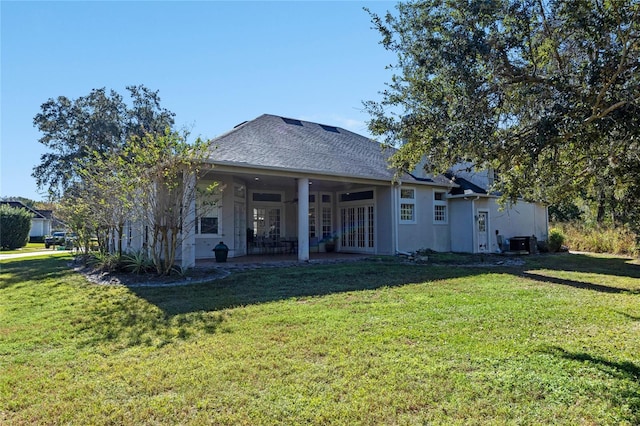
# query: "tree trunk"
[[601, 208], [120, 235]]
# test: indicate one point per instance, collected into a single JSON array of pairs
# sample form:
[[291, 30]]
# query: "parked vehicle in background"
[[60, 238]]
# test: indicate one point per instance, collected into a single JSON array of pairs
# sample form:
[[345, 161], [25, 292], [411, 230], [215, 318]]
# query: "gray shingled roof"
[[270, 141]]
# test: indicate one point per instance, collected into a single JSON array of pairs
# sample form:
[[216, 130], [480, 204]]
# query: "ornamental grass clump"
[[601, 239]]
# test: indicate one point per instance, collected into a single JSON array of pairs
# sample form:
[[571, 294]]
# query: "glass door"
[[357, 228]]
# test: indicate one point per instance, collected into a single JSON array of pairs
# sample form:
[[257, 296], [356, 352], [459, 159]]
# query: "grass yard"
[[30, 247], [554, 342]]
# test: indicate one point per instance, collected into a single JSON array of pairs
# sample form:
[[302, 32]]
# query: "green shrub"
[[137, 262], [15, 225], [107, 262], [556, 240]]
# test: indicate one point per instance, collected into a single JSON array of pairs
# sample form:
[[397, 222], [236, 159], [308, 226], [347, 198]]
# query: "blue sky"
[[215, 64]]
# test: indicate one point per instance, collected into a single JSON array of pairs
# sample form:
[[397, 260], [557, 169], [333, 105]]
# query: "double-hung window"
[[407, 205], [440, 215]]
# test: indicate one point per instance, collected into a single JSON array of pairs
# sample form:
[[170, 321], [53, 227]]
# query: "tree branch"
[[610, 109]]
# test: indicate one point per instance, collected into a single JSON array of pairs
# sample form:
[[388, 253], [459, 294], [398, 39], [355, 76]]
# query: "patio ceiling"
[[256, 180]]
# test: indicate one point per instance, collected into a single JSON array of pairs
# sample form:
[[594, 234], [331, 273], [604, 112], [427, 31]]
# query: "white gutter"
[[546, 210]]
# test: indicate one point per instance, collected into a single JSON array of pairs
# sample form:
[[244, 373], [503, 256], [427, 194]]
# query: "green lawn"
[[28, 248], [554, 342]]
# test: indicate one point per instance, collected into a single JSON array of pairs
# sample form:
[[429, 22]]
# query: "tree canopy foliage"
[[119, 166], [546, 93], [75, 130]]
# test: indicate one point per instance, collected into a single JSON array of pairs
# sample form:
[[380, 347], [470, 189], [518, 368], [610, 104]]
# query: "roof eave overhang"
[[233, 167]]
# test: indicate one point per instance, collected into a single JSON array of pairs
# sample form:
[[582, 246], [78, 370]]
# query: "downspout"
[[474, 237], [535, 225], [473, 225], [393, 219], [394, 209], [546, 231]]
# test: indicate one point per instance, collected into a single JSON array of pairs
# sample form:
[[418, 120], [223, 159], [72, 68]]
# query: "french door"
[[357, 228], [267, 222], [483, 235]]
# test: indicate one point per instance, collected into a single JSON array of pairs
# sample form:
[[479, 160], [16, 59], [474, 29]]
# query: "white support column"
[[303, 219], [474, 224], [189, 223]]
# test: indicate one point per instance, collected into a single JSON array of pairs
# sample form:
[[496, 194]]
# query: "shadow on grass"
[[17, 271], [579, 284], [273, 284], [156, 316], [630, 317], [627, 372], [204, 305], [129, 321], [574, 262], [268, 285], [583, 263], [624, 370], [173, 313]]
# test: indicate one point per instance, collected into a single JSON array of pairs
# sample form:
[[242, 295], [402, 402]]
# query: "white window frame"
[[272, 203], [442, 206], [213, 211], [373, 199], [409, 203], [267, 205]]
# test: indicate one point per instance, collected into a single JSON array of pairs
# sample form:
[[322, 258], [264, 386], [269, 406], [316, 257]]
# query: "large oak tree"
[[547, 93], [75, 130]]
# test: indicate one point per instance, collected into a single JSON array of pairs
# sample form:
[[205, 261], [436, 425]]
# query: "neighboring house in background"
[[42, 221], [297, 186]]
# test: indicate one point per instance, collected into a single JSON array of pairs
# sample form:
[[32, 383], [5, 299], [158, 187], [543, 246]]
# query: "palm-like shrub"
[[137, 262]]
